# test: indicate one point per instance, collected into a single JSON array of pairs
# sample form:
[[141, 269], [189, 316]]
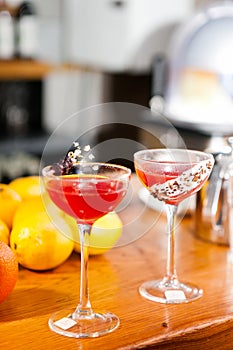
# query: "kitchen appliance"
[[199, 91]]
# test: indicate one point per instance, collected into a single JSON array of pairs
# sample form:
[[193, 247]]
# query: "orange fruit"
[[4, 232], [9, 202], [26, 187], [8, 271]]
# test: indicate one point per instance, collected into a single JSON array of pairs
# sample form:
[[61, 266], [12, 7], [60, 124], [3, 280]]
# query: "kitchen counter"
[[114, 278]]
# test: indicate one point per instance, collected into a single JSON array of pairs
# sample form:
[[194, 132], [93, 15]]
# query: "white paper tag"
[[175, 295], [65, 323]]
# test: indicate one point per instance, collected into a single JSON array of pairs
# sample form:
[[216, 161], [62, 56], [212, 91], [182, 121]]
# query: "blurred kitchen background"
[[60, 56]]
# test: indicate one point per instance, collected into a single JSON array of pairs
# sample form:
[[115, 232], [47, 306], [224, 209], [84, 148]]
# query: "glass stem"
[[84, 307], [171, 276]]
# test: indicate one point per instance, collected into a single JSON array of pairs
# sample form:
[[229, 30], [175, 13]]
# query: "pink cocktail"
[[172, 175]]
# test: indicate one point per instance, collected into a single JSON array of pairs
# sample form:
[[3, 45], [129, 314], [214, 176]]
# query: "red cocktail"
[[86, 198], [87, 191]]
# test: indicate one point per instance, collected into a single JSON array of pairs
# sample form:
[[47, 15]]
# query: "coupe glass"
[[171, 175], [87, 192]]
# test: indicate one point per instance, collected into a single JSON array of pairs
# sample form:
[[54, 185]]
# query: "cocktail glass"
[[171, 175], [87, 192]]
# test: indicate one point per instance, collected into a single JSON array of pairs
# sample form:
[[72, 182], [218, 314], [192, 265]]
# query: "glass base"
[[170, 292], [66, 322]]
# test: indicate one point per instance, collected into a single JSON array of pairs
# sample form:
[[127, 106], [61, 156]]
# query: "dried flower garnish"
[[77, 154]]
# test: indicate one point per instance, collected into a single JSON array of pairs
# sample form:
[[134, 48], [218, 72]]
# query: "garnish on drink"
[[74, 155], [172, 184]]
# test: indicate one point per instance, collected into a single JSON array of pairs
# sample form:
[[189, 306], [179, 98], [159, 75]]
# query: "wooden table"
[[114, 280]]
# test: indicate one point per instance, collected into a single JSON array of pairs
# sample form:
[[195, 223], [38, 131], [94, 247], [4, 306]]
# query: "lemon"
[[105, 232], [9, 202], [36, 241], [4, 232], [26, 187], [27, 209]]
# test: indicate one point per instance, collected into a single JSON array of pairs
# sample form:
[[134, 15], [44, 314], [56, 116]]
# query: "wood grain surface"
[[114, 279]]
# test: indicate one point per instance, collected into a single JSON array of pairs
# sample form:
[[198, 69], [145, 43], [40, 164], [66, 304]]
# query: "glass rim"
[[48, 171], [171, 150]]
